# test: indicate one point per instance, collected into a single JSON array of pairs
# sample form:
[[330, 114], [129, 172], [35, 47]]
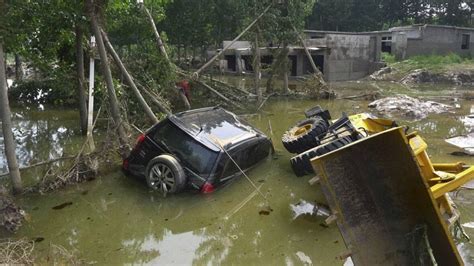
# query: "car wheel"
[[165, 174], [301, 164], [305, 134]]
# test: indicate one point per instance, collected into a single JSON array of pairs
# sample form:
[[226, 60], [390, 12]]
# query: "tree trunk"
[[270, 81], [7, 128], [286, 88], [157, 34], [129, 80], [113, 102], [257, 64], [18, 68], [179, 54], [81, 95]]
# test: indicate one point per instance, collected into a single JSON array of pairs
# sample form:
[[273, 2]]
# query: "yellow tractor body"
[[388, 199]]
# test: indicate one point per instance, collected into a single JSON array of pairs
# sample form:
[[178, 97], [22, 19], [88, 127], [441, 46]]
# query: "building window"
[[386, 44], [466, 39]]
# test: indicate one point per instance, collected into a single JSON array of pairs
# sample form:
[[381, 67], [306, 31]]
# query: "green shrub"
[[388, 58]]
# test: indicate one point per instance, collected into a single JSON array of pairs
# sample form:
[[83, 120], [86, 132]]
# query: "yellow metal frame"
[[441, 177]]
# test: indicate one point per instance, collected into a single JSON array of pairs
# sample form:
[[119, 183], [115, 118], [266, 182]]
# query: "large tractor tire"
[[305, 135], [301, 164]]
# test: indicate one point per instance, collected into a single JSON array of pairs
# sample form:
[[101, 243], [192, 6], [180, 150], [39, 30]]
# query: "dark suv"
[[193, 148]]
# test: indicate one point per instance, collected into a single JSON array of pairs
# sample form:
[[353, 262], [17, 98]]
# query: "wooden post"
[[129, 79], [90, 109], [9, 142]]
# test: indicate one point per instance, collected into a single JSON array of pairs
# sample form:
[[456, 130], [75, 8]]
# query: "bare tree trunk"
[[129, 79], [286, 88], [316, 70], [81, 95], [18, 68], [157, 34], [113, 101], [257, 65], [179, 54], [7, 128]]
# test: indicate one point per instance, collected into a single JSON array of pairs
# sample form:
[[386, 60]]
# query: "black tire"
[[165, 174], [301, 164], [305, 134]]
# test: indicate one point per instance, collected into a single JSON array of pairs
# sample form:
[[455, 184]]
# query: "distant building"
[[431, 39], [353, 55]]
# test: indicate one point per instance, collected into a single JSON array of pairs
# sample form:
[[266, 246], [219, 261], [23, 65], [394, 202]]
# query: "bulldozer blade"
[[385, 210]]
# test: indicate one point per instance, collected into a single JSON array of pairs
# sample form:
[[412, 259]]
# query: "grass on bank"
[[435, 63]]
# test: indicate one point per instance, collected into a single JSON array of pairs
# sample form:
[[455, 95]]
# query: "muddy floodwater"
[[116, 219]]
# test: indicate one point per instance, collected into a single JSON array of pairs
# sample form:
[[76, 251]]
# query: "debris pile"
[[382, 74], [316, 88], [425, 76], [303, 207], [16, 252], [409, 107], [11, 216]]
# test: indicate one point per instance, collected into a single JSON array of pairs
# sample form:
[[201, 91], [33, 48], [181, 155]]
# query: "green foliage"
[[365, 15], [388, 58], [432, 62]]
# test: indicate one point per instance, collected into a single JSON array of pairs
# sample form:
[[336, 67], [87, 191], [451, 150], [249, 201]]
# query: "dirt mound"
[[409, 107]]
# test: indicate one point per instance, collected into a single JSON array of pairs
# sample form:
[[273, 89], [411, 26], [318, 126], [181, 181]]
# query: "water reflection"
[[41, 135]]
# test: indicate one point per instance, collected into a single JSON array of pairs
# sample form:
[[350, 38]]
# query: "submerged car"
[[200, 148]]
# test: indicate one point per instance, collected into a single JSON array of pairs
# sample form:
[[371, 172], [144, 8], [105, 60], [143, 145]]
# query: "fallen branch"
[[196, 74], [372, 95], [220, 95], [128, 78], [41, 164], [16, 252], [225, 84], [264, 101]]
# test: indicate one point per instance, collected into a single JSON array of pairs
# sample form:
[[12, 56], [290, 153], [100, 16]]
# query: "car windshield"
[[199, 158]]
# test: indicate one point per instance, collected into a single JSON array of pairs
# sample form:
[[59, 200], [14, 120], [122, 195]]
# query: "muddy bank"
[[420, 76]]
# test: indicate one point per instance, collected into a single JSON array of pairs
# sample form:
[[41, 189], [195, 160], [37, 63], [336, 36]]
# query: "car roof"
[[215, 127]]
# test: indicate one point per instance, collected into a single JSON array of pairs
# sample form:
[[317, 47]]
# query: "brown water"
[[116, 219]]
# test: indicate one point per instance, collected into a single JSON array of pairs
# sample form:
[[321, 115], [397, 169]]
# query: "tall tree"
[[9, 142], [95, 7], [81, 94]]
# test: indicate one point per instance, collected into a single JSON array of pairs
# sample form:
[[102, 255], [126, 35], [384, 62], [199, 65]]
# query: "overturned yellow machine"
[[389, 200]]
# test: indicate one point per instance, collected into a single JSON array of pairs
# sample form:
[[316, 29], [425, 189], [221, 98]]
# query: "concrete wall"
[[349, 57], [442, 40]]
